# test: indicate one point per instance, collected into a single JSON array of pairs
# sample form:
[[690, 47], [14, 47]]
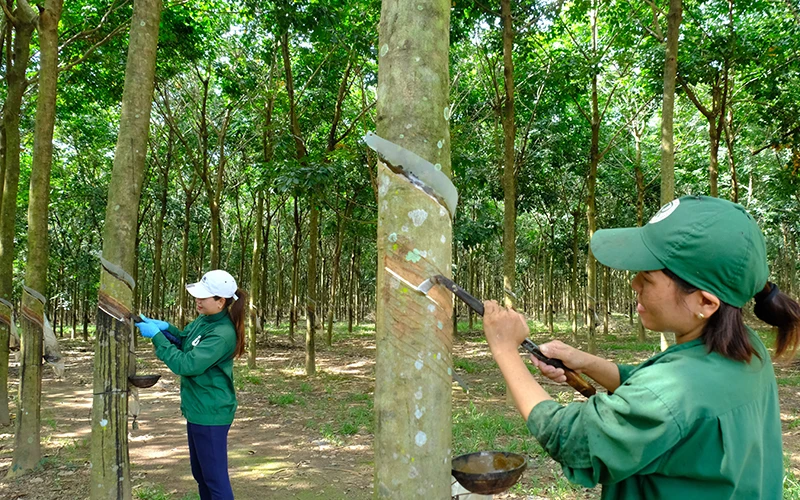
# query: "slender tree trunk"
[[591, 211], [573, 281], [27, 442], [184, 298], [413, 367], [25, 18], [351, 287], [278, 276], [509, 163], [674, 17], [337, 255], [159, 230], [313, 218], [295, 270], [110, 470], [640, 187], [311, 298], [255, 280]]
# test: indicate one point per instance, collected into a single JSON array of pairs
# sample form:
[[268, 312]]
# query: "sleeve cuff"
[[159, 340], [625, 372], [541, 414]]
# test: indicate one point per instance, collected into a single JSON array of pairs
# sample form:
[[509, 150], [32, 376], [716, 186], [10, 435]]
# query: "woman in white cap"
[[702, 418], [204, 361]]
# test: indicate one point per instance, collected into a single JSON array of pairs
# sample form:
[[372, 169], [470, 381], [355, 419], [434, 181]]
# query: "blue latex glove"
[[161, 325], [148, 330]]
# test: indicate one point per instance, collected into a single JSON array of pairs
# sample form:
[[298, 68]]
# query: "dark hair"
[[236, 312], [726, 333], [778, 309]]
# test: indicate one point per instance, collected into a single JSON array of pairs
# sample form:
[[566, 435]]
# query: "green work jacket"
[[684, 424], [205, 364]]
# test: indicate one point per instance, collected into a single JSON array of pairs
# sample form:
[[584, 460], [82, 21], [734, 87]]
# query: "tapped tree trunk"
[[25, 19], [413, 364], [27, 442], [110, 469]]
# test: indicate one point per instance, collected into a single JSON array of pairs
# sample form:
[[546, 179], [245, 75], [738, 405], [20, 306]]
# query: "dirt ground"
[[278, 448]]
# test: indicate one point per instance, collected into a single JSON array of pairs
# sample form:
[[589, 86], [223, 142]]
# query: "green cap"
[[712, 244]]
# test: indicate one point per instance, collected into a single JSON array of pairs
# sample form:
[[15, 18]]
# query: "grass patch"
[[791, 381], [285, 399], [632, 346], [791, 483], [482, 429], [465, 365], [157, 492]]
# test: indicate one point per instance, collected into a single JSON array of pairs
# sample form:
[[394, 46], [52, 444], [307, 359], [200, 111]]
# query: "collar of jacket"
[[216, 317]]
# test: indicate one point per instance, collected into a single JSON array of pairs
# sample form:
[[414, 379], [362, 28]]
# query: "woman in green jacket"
[[202, 354], [699, 420]]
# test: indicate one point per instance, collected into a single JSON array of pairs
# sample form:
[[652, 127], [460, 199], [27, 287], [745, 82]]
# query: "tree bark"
[[25, 22], [674, 17], [591, 211], [413, 370], [27, 440], [159, 230], [110, 469], [255, 280], [509, 164]]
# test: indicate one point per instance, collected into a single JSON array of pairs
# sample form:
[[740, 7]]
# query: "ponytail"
[[778, 309], [236, 312]]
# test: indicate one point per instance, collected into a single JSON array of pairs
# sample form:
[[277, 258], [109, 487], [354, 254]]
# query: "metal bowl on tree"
[[143, 381], [488, 472]]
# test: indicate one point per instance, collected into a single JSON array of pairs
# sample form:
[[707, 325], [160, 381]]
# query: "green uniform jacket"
[[684, 424], [205, 364]]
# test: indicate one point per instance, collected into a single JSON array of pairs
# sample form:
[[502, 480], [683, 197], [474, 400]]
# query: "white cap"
[[217, 283]]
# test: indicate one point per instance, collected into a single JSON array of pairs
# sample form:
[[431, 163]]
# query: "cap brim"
[[625, 249], [198, 290]]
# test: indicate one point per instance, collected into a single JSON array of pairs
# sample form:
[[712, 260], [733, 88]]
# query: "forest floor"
[[310, 437]]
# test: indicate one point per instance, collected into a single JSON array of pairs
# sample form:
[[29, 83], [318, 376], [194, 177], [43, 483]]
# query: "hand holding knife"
[[573, 378]]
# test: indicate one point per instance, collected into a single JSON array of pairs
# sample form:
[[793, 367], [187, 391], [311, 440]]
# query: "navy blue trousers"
[[208, 453]]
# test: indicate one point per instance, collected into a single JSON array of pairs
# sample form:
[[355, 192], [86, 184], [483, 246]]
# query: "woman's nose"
[[636, 283]]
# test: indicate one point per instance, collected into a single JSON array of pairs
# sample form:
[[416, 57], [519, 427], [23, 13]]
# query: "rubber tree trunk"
[[591, 210], [183, 294], [110, 469], [25, 19], [573, 278], [311, 292], [295, 271], [27, 442], [255, 280], [337, 257], [413, 370], [674, 17], [640, 188], [509, 167], [159, 230], [313, 217]]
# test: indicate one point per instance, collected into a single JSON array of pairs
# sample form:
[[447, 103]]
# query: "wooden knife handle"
[[573, 378]]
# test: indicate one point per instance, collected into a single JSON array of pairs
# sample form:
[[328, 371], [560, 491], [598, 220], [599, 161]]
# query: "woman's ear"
[[708, 303]]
